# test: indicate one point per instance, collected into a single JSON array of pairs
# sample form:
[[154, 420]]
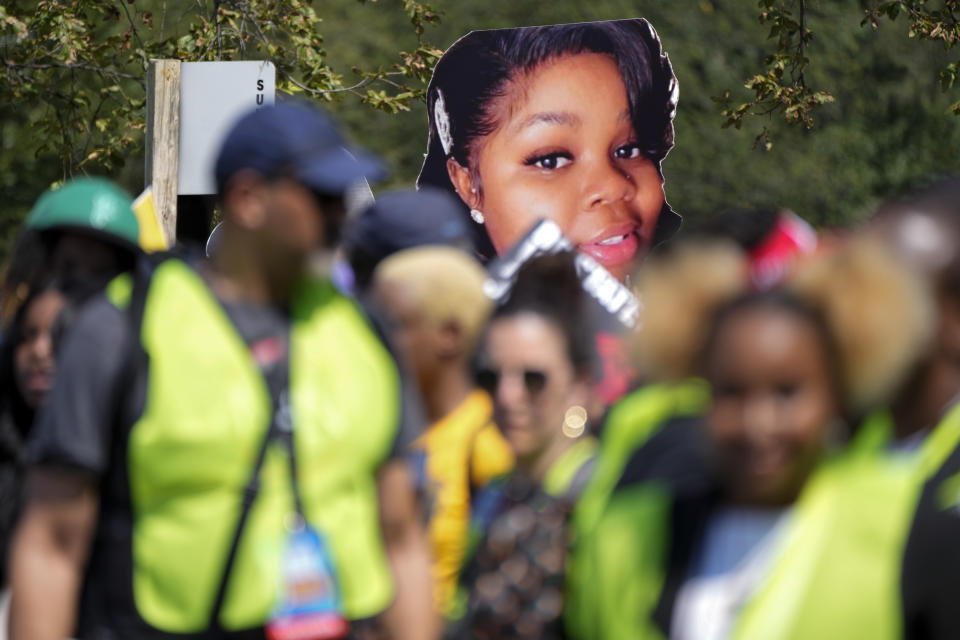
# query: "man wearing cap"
[[221, 453]]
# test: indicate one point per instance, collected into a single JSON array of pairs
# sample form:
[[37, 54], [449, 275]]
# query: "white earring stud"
[[477, 216]]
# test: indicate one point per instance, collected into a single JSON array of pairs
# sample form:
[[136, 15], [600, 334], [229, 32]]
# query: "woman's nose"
[[606, 183], [760, 415], [41, 348], [510, 389]]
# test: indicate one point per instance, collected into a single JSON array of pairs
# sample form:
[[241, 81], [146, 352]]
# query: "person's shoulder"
[[320, 293], [672, 456], [377, 319], [102, 314], [96, 339], [369, 324]]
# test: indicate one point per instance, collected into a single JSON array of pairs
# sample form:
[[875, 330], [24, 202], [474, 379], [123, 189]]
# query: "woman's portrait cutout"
[[565, 122]]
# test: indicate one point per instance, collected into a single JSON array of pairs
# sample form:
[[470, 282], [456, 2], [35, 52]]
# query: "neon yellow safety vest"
[[835, 572], [191, 452]]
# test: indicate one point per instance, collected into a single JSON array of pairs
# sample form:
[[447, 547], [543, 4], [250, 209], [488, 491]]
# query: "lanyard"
[[281, 428]]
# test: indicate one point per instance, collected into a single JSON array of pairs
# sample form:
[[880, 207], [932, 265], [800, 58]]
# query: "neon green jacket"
[[835, 573]]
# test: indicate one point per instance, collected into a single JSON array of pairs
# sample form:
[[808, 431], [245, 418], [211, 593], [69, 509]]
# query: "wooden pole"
[[163, 141]]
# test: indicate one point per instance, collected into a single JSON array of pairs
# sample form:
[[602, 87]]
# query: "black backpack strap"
[[250, 492], [280, 429]]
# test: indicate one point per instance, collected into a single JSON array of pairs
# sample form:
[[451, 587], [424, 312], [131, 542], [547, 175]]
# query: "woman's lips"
[[614, 247], [39, 382]]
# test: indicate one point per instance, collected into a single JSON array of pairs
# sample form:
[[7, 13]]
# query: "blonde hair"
[[446, 283], [880, 316], [680, 293]]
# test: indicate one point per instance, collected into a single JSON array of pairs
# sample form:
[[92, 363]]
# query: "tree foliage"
[[782, 87], [83, 62], [823, 106], [940, 24]]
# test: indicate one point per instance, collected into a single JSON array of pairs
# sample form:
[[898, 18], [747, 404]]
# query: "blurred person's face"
[[34, 362], [415, 337], [527, 371], [928, 246], [565, 150], [773, 404], [295, 218], [286, 218], [79, 256]]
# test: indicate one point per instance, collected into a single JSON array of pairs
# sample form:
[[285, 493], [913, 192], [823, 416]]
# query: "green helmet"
[[92, 205]]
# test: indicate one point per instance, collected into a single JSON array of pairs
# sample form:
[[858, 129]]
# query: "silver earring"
[[477, 216]]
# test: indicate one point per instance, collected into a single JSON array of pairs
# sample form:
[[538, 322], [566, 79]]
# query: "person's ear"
[[244, 200], [463, 183], [450, 339]]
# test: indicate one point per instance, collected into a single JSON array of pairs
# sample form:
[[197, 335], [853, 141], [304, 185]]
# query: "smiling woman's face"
[[773, 402], [565, 149]]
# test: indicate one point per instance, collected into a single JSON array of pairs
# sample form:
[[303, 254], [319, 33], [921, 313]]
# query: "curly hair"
[[875, 316], [881, 316]]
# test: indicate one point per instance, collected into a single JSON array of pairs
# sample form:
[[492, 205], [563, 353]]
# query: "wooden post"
[[163, 141]]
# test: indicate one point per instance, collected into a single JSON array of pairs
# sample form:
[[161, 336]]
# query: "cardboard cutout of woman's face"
[[566, 123], [565, 150]]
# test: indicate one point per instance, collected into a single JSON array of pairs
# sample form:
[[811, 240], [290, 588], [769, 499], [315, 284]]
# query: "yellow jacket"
[[462, 452]]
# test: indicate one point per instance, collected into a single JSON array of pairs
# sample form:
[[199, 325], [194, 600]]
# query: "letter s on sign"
[[259, 85]]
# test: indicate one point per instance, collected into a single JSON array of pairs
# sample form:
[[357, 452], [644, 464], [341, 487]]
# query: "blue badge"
[[309, 604]]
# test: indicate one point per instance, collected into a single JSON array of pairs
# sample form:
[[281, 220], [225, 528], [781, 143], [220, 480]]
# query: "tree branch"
[[133, 27], [76, 66]]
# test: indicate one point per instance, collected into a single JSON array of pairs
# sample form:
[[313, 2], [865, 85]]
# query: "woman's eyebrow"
[[549, 117]]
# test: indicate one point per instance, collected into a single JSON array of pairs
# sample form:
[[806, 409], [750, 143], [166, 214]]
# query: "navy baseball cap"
[[297, 140], [405, 218], [399, 220]]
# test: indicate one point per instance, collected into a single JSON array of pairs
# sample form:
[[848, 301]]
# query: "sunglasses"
[[534, 380]]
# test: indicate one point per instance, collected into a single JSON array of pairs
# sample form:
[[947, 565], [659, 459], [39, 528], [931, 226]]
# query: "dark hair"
[[10, 399], [782, 301], [29, 268], [25, 268], [478, 68], [400, 220], [548, 286]]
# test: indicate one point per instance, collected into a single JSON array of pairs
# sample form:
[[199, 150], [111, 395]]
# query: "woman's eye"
[[550, 161], [787, 390], [728, 390], [628, 151]]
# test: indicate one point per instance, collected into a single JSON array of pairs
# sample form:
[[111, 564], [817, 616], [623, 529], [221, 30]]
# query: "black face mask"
[[333, 208]]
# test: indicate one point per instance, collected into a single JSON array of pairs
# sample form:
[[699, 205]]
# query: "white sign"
[[213, 95]]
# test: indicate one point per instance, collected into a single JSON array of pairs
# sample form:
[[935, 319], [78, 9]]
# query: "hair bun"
[[680, 291], [881, 316]]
